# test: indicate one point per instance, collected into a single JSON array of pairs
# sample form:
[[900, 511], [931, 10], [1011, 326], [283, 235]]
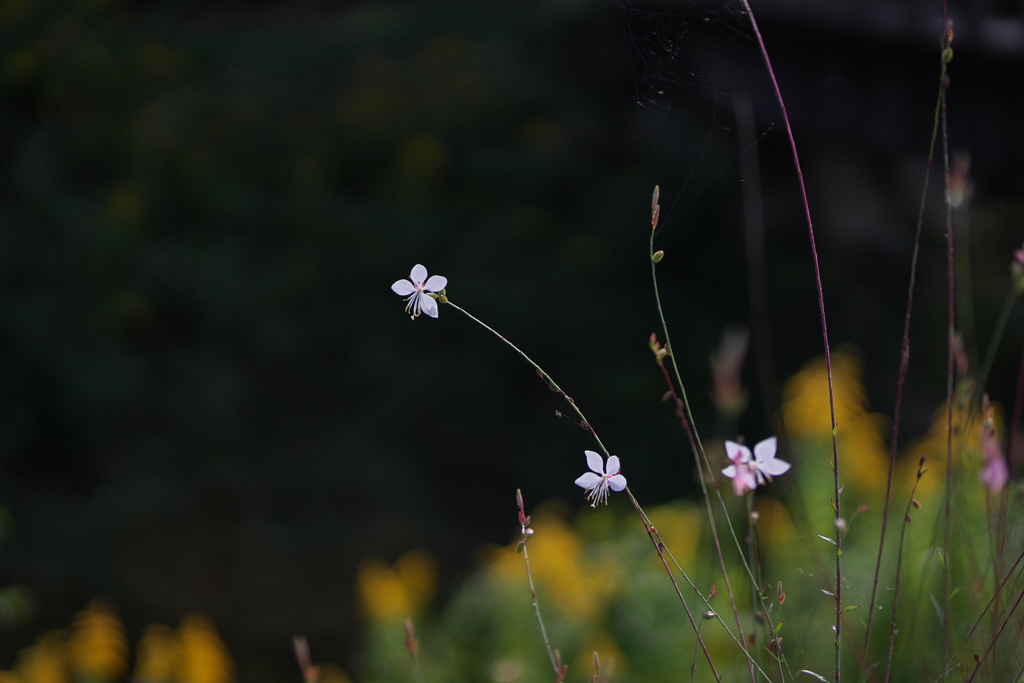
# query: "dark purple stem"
[[950, 360], [904, 357], [824, 332]]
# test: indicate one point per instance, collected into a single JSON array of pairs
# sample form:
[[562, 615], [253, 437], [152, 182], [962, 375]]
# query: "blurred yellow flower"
[[575, 584], [417, 570], [775, 529], [97, 649], [406, 590], [966, 447], [805, 407], [202, 655], [679, 525], [156, 655], [863, 452], [44, 661], [613, 661]]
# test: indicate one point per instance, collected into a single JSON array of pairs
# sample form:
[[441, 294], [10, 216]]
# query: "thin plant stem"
[[553, 655], [686, 420], [663, 551], [699, 455], [584, 423], [998, 633], [412, 645], [659, 548], [696, 649], [993, 345], [992, 601], [904, 359], [899, 568], [837, 489], [774, 643], [950, 357]]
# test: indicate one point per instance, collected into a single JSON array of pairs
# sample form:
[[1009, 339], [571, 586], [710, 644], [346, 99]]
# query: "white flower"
[[601, 478], [748, 472], [415, 290]]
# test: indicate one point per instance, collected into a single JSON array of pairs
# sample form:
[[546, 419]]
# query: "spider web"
[[694, 64], [705, 48]]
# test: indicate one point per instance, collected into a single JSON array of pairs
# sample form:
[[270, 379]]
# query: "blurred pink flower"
[[601, 478], [995, 474], [728, 395]]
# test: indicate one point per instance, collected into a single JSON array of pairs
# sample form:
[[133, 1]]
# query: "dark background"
[[210, 399]]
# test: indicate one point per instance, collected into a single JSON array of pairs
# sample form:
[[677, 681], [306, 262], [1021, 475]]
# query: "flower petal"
[[595, 462], [738, 486], [734, 451], [588, 480], [774, 467], [765, 450], [613, 465], [418, 274], [436, 283], [428, 305], [403, 288], [618, 482], [730, 471]]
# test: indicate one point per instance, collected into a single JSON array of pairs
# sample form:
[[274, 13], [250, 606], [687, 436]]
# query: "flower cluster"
[[748, 472]]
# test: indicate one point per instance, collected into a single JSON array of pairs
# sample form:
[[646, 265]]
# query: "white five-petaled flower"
[[415, 290], [601, 477], [748, 472]]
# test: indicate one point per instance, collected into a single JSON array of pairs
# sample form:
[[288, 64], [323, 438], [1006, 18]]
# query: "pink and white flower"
[[415, 290], [601, 477], [748, 472]]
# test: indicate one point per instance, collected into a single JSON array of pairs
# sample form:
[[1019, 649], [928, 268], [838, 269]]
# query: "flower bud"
[[657, 256]]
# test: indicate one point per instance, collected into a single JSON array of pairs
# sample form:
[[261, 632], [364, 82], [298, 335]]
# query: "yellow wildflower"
[[573, 583], [966, 446], [679, 525], [44, 661], [203, 657], [97, 649], [805, 407], [613, 661], [156, 655], [863, 453], [406, 590]]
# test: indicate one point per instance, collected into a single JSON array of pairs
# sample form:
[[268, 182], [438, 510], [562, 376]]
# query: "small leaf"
[[825, 538], [935, 604]]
